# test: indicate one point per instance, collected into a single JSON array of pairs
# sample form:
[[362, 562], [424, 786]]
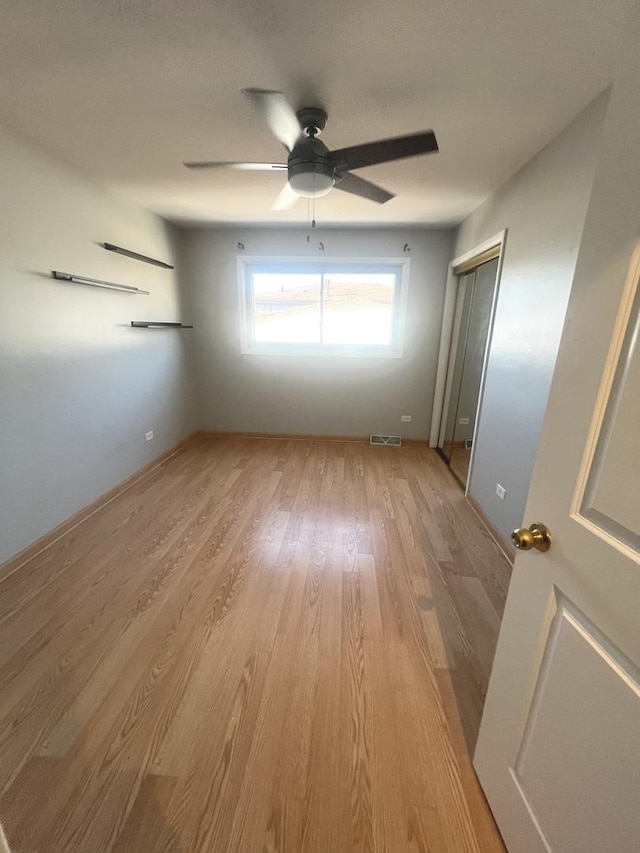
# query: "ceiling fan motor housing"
[[311, 168], [313, 120]]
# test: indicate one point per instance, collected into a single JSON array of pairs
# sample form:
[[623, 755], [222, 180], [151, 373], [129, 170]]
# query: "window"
[[333, 307]]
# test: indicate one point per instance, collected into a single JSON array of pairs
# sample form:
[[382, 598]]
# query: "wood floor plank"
[[430, 622], [480, 814], [327, 789], [357, 752], [145, 828], [389, 776], [32, 785], [270, 646]]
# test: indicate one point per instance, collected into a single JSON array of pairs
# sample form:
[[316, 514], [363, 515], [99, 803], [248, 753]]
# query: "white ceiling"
[[125, 90]]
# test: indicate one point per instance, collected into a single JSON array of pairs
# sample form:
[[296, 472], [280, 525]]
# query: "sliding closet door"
[[475, 300], [456, 360]]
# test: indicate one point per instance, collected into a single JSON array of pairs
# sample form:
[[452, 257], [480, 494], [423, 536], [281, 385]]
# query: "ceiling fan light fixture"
[[311, 184]]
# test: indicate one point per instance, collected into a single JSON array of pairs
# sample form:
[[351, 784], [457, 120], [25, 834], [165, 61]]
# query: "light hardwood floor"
[[263, 646]]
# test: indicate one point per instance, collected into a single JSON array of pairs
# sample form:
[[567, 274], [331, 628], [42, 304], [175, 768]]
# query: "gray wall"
[[78, 388], [543, 207], [327, 396]]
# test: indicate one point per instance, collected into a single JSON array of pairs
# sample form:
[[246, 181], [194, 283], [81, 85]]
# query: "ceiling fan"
[[312, 169]]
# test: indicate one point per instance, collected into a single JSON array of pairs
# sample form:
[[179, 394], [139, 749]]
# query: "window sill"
[[311, 351]]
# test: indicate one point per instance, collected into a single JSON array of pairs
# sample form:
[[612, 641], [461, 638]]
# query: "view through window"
[[323, 307]]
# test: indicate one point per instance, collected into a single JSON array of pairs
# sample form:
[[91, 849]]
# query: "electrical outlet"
[[463, 421], [405, 419], [501, 492], [148, 435]]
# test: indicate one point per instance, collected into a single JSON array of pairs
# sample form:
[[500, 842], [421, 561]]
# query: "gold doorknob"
[[537, 536]]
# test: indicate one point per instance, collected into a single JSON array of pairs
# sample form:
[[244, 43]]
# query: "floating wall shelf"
[[110, 247], [156, 324], [96, 282]]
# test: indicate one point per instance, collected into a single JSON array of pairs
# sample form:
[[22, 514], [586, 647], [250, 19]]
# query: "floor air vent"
[[394, 440]]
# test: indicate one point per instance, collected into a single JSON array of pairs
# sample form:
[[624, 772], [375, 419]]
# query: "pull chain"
[[311, 209]]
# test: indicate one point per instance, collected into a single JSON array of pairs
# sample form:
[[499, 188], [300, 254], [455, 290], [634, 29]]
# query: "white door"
[[559, 748]]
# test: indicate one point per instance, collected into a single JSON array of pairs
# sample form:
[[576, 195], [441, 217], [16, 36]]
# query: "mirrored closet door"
[[474, 303]]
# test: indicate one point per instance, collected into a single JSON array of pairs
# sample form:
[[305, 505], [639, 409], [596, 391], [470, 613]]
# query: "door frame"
[[458, 265]]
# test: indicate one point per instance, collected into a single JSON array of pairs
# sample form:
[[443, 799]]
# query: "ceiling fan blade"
[[278, 113], [249, 167], [358, 186], [286, 199], [385, 150]]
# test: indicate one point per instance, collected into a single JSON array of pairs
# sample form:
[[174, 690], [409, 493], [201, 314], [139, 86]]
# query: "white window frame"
[[248, 346]]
